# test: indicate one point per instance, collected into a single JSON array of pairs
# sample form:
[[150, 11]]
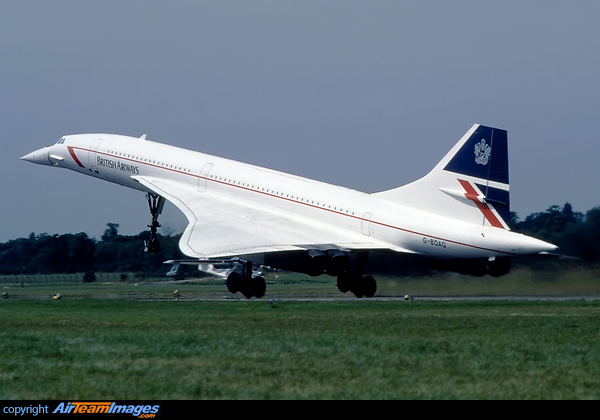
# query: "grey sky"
[[365, 94]]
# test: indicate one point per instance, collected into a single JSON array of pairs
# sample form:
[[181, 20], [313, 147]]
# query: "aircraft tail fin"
[[470, 183]]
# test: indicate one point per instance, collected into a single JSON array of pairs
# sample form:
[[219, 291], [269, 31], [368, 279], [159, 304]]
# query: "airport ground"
[[127, 338]]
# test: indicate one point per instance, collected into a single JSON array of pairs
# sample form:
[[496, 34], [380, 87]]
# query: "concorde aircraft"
[[249, 216]]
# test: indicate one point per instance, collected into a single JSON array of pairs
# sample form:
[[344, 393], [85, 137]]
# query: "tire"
[[358, 286], [247, 290], [344, 281], [369, 286], [258, 286], [234, 282], [246, 287]]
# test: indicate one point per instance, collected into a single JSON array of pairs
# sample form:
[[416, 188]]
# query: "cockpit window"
[[61, 141]]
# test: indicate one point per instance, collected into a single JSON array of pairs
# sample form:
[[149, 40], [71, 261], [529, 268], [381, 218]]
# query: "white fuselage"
[[398, 227]]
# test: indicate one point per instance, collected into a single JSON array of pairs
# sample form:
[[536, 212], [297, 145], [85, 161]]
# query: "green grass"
[[132, 349], [131, 339]]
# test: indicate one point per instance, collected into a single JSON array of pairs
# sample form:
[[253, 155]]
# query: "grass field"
[[116, 340]]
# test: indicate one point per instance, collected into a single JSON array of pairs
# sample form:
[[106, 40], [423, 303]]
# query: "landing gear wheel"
[[233, 282], [246, 288], [153, 245], [344, 282], [358, 287], [246, 284], [369, 286], [258, 286]]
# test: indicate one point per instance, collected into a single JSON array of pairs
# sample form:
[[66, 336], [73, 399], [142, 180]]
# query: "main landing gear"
[[156, 204], [352, 279], [245, 283], [361, 286]]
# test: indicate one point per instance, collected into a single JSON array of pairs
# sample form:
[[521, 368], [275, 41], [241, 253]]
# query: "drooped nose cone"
[[39, 156]]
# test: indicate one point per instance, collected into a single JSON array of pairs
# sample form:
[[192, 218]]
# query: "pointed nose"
[[39, 156], [536, 246], [549, 248]]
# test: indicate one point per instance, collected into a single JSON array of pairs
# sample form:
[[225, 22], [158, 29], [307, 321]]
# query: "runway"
[[349, 298]]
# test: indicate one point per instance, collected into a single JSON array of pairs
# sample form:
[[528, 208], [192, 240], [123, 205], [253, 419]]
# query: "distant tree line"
[[78, 253], [577, 235]]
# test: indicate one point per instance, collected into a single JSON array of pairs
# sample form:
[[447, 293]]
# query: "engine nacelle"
[[332, 262], [338, 262], [317, 262]]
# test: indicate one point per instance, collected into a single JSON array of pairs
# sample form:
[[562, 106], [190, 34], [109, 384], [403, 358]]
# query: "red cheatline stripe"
[[72, 153], [472, 195]]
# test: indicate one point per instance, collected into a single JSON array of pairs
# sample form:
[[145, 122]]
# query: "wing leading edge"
[[221, 227]]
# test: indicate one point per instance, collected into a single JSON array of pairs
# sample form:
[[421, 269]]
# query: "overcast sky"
[[365, 94]]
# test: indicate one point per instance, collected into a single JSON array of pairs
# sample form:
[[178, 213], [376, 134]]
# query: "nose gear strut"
[[156, 204]]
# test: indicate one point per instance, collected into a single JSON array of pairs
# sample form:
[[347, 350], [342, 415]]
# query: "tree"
[[111, 232], [81, 253], [77, 253], [584, 240], [551, 224], [575, 234]]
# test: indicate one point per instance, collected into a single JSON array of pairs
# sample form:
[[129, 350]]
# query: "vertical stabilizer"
[[470, 183]]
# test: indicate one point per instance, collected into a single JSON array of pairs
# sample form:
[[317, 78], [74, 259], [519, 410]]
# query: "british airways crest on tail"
[[483, 155], [482, 152]]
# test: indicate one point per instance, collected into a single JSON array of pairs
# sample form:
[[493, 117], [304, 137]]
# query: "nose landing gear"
[[156, 204]]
